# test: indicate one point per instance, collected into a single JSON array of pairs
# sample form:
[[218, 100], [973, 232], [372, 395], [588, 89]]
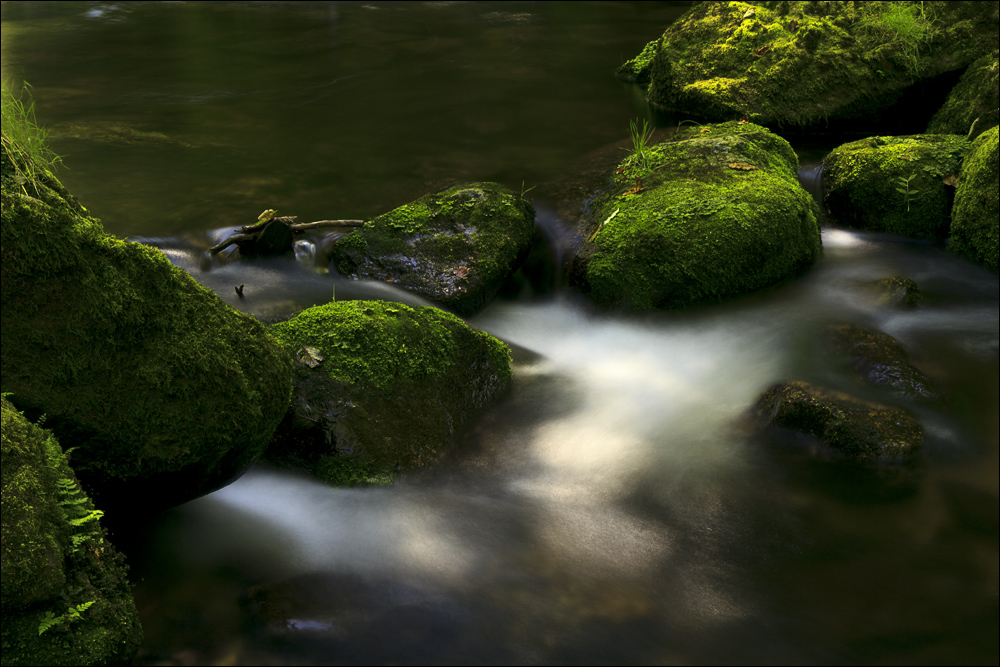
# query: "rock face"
[[859, 430], [165, 392], [454, 247], [805, 63], [881, 361], [714, 212], [895, 292], [972, 105], [974, 225], [66, 598], [866, 183], [380, 387]]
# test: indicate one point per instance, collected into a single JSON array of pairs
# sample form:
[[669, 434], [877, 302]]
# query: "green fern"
[[50, 620]]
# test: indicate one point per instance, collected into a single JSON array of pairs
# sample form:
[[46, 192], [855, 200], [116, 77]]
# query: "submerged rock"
[[381, 387], [895, 292], [972, 105], [454, 247], [857, 429], [165, 392], [66, 597], [711, 213], [975, 226], [882, 361], [806, 63], [901, 185]]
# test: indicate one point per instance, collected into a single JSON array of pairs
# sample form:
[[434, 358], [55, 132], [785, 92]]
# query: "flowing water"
[[615, 506]]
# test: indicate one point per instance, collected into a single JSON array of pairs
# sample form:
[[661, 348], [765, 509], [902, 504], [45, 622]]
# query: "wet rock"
[[857, 429], [806, 64], [972, 105], [900, 185], [637, 70], [165, 391], [66, 596], [392, 386], [454, 247], [895, 292], [275, 239], [713, 212], [975, 226], [882, 361]]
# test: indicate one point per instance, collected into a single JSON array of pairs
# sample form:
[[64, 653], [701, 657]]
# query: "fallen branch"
[[250, 234]]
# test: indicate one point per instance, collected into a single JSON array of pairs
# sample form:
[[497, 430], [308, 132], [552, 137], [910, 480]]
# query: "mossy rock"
[[974, 225], [806, 63], [879, 360], [895, 292], [60, 575], [973, 105], [866, 183], [637, 70], [719, 212], [858, 430], [393, 385], [165, 391], [454, 247]]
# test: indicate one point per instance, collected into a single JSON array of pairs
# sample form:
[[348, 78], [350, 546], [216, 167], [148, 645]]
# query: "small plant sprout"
[[904, 189], [524, 192], [640, 153]]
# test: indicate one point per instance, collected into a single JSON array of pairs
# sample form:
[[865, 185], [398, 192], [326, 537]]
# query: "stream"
[[615, 506]]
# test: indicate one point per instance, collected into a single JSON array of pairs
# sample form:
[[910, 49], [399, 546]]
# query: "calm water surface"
[[613, 507]]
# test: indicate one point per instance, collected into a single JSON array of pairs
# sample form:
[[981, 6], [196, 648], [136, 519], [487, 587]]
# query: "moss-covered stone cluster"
[[976, 215], [713, 212], [165, 391], [454, 247], [973, 105], [66, 597], [804, 63], [862, 183], [393, 386]]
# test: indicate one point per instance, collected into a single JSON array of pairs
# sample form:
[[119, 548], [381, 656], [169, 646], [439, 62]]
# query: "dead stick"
[[326, 223]]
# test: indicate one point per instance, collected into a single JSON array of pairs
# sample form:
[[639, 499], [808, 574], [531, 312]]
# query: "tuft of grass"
[[641, 153], [23, 139], [902, 25]]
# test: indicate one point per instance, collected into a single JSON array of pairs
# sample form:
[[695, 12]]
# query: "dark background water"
[[612, 508]]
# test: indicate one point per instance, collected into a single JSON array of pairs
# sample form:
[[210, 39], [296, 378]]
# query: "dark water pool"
[[613, 508]]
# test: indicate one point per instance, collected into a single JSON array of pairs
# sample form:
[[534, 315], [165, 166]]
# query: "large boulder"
[[165, 392], [66, 597], [806, 63], [713, 212], [973, 105], [454, 247], [976, 215], [855, 429], [901, 185], [381, 387]]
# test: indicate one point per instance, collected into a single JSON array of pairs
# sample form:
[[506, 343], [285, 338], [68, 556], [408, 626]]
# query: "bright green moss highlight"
[[976, 215], [700, 230], [801, 63], [56, 560], [135, 363], [973, 105], [863, 178], [637, 69], [379, 344]]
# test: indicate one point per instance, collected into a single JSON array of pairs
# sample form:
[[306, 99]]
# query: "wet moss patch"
[[976, 215], [973, 105]]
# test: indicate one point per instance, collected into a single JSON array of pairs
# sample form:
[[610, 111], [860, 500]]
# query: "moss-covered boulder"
[[806, 63], [636, 70], [974, 224], [165, 392], [454, 247], [713, 212], [880, 360], [66, 598], [857, 429], [973, 105], [381, 387], [895, 292], [901, 185]]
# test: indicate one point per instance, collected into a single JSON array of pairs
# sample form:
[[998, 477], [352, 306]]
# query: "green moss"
[[862, 181], [701, 230], [454, 247], [135, 363], [797, 63], [973, 103], [637, 69], [57, 561], [354, 471], [974, 227]]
